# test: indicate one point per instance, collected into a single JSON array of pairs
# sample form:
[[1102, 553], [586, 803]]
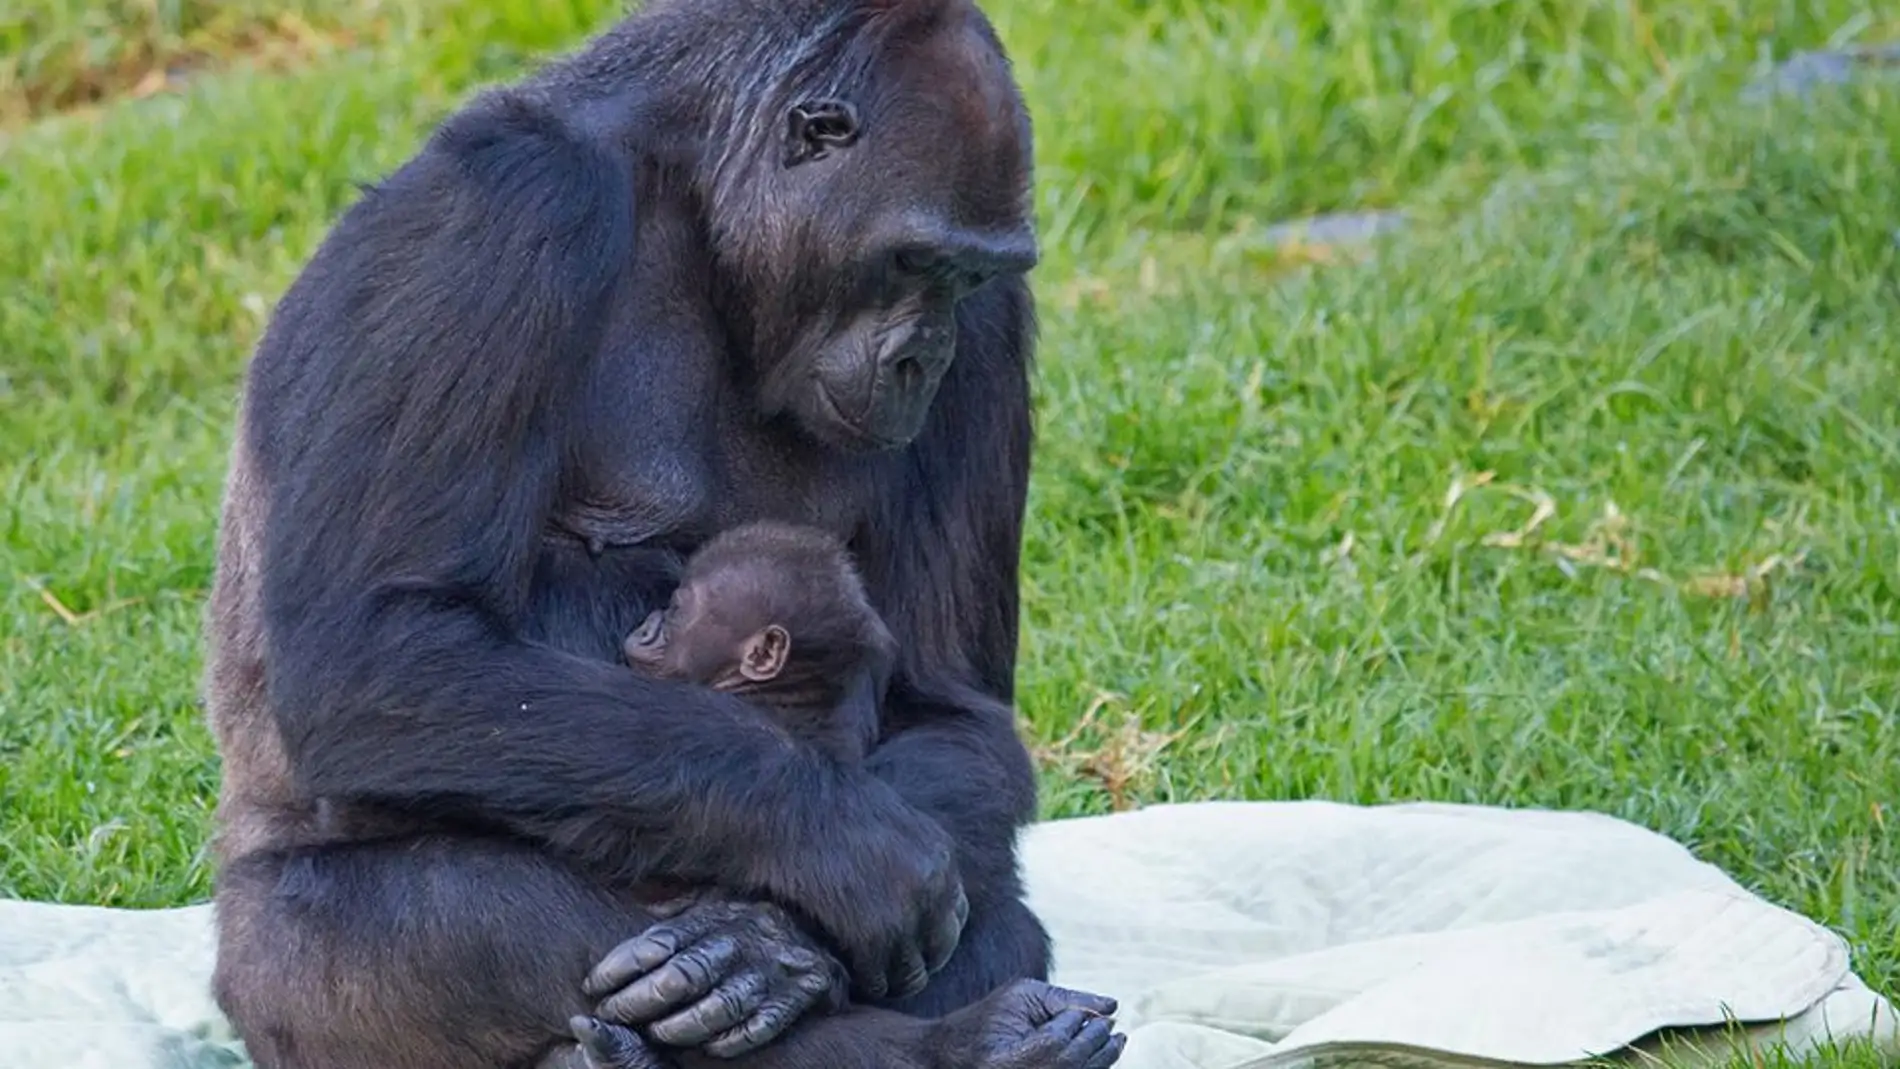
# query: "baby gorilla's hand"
[[724, 974], [609, 1046]]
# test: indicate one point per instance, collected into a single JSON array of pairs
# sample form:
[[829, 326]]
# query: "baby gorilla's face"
[[711, 633], [647, 647]]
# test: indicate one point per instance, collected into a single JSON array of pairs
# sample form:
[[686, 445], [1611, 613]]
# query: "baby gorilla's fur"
[[777, 614]]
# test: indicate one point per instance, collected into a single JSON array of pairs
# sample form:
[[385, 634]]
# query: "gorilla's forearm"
[[426, 709], [957, 759]]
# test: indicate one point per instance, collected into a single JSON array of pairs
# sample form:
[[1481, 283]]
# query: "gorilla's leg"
[[421, 953], [457, 953], [1025, 1025]]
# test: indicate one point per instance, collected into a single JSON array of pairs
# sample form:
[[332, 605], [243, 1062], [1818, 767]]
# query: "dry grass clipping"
[[1122, 756], [1609, 543]]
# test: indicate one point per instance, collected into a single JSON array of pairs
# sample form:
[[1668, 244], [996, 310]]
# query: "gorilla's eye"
[[931, 267], [816, 127], [914, 262]]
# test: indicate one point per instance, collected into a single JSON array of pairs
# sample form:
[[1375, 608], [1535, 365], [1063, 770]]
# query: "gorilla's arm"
[[957, 758], [406, 409], [949, 587]]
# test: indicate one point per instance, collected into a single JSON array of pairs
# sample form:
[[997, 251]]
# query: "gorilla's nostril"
[[908, 370]]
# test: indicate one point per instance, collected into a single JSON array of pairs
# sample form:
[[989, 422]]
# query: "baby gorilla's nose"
[[908, 372]]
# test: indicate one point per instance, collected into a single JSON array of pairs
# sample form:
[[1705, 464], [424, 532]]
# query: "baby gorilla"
[[776, 613]]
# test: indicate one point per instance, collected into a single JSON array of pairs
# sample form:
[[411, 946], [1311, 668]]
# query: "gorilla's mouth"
[[847, 433]]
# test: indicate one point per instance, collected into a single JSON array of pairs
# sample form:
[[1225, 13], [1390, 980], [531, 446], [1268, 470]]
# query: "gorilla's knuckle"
[[653, 947], [719, 952], [624, 1008], [748, 989], [773, 1018], [684, 977], [676, 1033], [813, 984]]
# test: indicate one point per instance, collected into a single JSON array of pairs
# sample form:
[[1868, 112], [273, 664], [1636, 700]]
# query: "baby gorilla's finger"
[[1109, 1054], [686, 976], [1090, 1041], [758, 1030], [908, 975], [868, 978], [607, 1046], [728, 1005]]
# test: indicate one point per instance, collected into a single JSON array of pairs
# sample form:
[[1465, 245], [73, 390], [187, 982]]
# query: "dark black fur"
[[541, 358]]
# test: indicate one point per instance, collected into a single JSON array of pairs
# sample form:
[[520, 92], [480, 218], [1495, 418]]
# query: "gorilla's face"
[[874, 371], [894, 207]]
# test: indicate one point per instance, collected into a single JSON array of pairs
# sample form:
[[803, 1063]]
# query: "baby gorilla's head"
[[772, 611]]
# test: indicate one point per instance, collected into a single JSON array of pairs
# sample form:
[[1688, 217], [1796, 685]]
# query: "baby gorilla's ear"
[[765, 654]]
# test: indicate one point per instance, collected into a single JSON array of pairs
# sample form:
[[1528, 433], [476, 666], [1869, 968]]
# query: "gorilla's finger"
[[867, 977], [1110, 1054], [631, 960], [1066, 1026], [761, 1028], [1054, 998], [941, 942], [643, 953], [1090, 1041], [687, 975], [908, 974], [813, 986], [729, 1005]]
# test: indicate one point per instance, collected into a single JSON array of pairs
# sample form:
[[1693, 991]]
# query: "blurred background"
[[1558, 464]]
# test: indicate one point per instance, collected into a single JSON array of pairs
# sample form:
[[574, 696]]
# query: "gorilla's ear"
[[765, 654], [814, 127]]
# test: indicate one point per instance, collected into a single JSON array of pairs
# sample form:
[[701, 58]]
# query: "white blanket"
[[1236, 935]]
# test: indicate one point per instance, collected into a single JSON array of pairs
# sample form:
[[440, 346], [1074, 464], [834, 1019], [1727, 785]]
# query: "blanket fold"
[[1237, 935]]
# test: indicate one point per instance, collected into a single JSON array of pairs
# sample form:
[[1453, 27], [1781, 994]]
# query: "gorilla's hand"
[[889, 896], [719, 973], [1029, 1024]]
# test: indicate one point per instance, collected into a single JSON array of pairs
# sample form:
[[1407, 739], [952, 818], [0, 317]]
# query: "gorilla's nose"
[[922, 354], [907, 371]]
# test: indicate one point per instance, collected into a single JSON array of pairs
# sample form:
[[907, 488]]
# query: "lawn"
[[1582, 492]]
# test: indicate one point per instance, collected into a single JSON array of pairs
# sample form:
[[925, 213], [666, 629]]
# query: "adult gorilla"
[[715, 267]]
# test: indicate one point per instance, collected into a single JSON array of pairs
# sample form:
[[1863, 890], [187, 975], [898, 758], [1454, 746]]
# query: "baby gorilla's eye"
[[651, 629]]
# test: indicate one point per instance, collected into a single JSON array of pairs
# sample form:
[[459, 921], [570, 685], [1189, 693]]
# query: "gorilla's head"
[[877, 176]]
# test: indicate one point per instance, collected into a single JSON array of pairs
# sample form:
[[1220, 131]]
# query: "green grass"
[[57, 55], [1670, 318]]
